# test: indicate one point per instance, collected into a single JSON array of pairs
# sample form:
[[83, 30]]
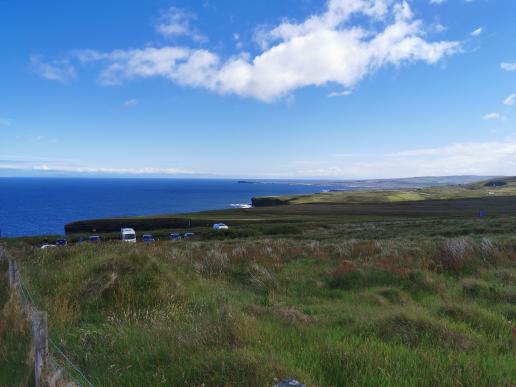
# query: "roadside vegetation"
[[405, 302], [15, 362]]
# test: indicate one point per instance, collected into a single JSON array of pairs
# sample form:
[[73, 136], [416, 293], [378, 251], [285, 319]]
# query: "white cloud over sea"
[[325, 48]]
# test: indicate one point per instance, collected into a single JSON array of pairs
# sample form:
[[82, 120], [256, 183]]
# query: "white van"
[[128, 235]]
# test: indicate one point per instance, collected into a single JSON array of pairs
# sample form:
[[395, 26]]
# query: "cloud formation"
[[131, 103], [175, 22], [492, 116], [57, 166], [507, 66], [510, 100], [60, 71], [474, 158], [477, 32], [326, 48]]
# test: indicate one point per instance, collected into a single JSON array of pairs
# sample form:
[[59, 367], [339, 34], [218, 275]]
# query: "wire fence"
[[72, 371]]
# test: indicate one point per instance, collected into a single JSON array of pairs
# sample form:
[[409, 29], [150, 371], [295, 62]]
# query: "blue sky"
[[286, 88]]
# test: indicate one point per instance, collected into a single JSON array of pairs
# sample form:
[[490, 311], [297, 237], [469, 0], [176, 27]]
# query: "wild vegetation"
[[399, 302], [15, 362], [384, 293]]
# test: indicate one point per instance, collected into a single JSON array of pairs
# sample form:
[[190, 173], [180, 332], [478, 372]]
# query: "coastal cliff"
[[268, 201]]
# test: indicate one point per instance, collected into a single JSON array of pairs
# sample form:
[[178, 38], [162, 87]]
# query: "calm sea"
[[36, 206]]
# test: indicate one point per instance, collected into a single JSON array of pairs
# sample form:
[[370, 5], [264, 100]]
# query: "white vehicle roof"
[[128, 231]]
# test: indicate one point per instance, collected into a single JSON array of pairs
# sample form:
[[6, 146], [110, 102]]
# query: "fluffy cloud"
[[131, 103], [510, 100], [175, 22], [327, 48], [340, 93], [508, 66], [60, 71], [489, 158], [57, 166], [492, 116], [477, 32]]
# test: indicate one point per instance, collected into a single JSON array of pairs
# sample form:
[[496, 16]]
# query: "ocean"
[[42, 206]]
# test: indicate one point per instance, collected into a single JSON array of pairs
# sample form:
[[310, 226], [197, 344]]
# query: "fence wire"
[[28, 300]]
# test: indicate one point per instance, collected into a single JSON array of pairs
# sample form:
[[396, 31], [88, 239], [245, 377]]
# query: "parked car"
[[175, 236], [95, 239], [188, 234], [148, 238], [128, 235], [220, 226], [47, 246], [61, 242]]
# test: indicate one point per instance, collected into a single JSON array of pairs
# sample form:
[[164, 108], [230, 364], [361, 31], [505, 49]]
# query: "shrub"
[[454, 255], [414, 329], [477, 318], [127, 279], [214, 264], [262, 281], [476, 288]]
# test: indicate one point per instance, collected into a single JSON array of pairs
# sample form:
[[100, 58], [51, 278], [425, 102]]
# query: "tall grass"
[[426, 311]]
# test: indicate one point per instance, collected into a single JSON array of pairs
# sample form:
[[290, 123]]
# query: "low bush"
[[414, 329]]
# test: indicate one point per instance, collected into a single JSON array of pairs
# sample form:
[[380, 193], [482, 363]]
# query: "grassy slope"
[[390, 303], [474, 190], [333, 207], [15, 369]]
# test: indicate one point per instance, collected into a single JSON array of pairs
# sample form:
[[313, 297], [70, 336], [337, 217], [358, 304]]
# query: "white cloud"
[[510, 100], [489, 158], [492, 116], [437, 1], [41, 165], [508, 66], [60, 71], [175, 22], [327, 48], [477, 32], [131, 103], [340, 93]]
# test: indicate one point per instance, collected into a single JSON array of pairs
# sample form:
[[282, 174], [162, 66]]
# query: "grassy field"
[[370, 291], [389, 301], [493, 198], [15, 364], [485, 189]]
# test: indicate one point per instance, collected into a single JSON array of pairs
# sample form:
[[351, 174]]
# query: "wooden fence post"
[[40, 333]]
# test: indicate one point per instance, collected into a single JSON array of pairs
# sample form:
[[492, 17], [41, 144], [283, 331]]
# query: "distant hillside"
[[415, 189], [409, 182]]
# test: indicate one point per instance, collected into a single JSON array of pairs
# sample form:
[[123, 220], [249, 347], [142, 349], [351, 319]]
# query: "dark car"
[[95, 239], [61, 242], [188, 234], [175, 236], [148, 238]]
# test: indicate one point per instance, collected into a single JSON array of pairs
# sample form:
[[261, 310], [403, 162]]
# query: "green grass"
[[394, 288], [468, 191], [330, 304], [15, 364]]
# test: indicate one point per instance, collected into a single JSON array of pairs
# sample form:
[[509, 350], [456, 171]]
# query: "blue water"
[[38, 206]]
